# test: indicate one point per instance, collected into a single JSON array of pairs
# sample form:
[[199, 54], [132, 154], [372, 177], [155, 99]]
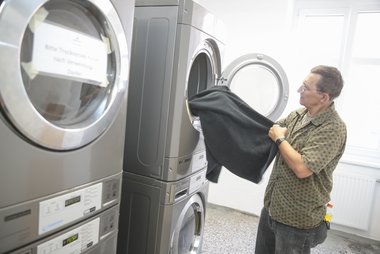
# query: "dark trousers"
[[277, 238]]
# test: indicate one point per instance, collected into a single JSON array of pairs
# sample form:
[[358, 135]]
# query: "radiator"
[[352, 197]]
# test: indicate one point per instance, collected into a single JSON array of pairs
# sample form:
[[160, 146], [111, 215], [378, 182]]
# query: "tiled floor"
[[228, 231]]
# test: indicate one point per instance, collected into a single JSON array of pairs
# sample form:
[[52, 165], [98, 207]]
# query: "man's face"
[[309, 94]]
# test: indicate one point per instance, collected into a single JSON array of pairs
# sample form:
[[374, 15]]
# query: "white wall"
[[250, 27], [255, 26]]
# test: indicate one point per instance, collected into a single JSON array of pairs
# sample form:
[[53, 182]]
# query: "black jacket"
[[236, 136]]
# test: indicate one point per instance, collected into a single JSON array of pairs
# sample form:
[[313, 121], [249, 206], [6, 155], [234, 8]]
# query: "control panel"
[[32, 220], [64, 209], [80, 238]]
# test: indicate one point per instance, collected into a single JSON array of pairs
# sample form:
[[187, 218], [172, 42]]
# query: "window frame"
[[363, 156]]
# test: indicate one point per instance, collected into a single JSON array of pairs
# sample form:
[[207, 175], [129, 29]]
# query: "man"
[[311, 141]]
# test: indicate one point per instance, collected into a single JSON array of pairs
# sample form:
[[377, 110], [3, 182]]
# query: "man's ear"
[[325, 97]]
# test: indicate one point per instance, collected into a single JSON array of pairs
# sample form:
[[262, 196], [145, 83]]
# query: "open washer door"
[[260, 81], [63, 72]]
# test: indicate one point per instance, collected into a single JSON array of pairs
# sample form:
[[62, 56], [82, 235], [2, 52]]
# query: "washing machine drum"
[[188, 234], [201, 76], [205, 69], [63, 70]]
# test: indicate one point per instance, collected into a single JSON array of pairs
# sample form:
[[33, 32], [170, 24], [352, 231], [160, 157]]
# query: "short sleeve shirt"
[[321, 142]]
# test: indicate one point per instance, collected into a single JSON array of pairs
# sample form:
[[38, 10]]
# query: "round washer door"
[[205, 68], [260, 81], [63, 70], [188, 233]]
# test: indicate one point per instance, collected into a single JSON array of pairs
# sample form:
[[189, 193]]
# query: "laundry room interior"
[[123, 123]]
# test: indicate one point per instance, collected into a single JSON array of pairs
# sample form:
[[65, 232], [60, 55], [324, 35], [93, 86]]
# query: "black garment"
[[236, 136]]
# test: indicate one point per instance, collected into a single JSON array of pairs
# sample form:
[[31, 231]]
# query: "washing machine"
[[64, 67], [163, 217], [176, 53]]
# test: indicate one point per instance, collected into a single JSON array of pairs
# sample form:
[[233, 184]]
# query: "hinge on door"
[[222, 81]]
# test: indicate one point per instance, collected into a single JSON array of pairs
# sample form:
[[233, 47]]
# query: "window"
[[344, 34]]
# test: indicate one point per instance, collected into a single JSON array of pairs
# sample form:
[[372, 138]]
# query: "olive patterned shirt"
[[321, 141]]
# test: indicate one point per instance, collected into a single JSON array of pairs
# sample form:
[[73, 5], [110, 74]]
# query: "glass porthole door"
[[188, 234], [63, 70], [260, 81]]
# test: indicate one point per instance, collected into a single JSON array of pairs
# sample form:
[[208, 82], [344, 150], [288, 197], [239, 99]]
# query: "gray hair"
[[331, 81]]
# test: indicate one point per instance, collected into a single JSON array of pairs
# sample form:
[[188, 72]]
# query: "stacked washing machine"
[[64, 69], [176, 53]]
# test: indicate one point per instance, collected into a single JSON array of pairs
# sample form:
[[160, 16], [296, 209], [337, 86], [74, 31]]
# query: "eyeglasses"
[[305, 87]]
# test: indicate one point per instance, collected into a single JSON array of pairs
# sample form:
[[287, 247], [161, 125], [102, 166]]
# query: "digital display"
[[72, 201], [70, 239]]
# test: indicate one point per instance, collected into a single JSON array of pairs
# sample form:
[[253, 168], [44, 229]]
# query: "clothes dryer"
[[176, 53], [162, 217], [63, 87]]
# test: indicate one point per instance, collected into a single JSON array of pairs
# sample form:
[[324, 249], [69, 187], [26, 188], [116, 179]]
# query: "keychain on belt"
[[328, 215]]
